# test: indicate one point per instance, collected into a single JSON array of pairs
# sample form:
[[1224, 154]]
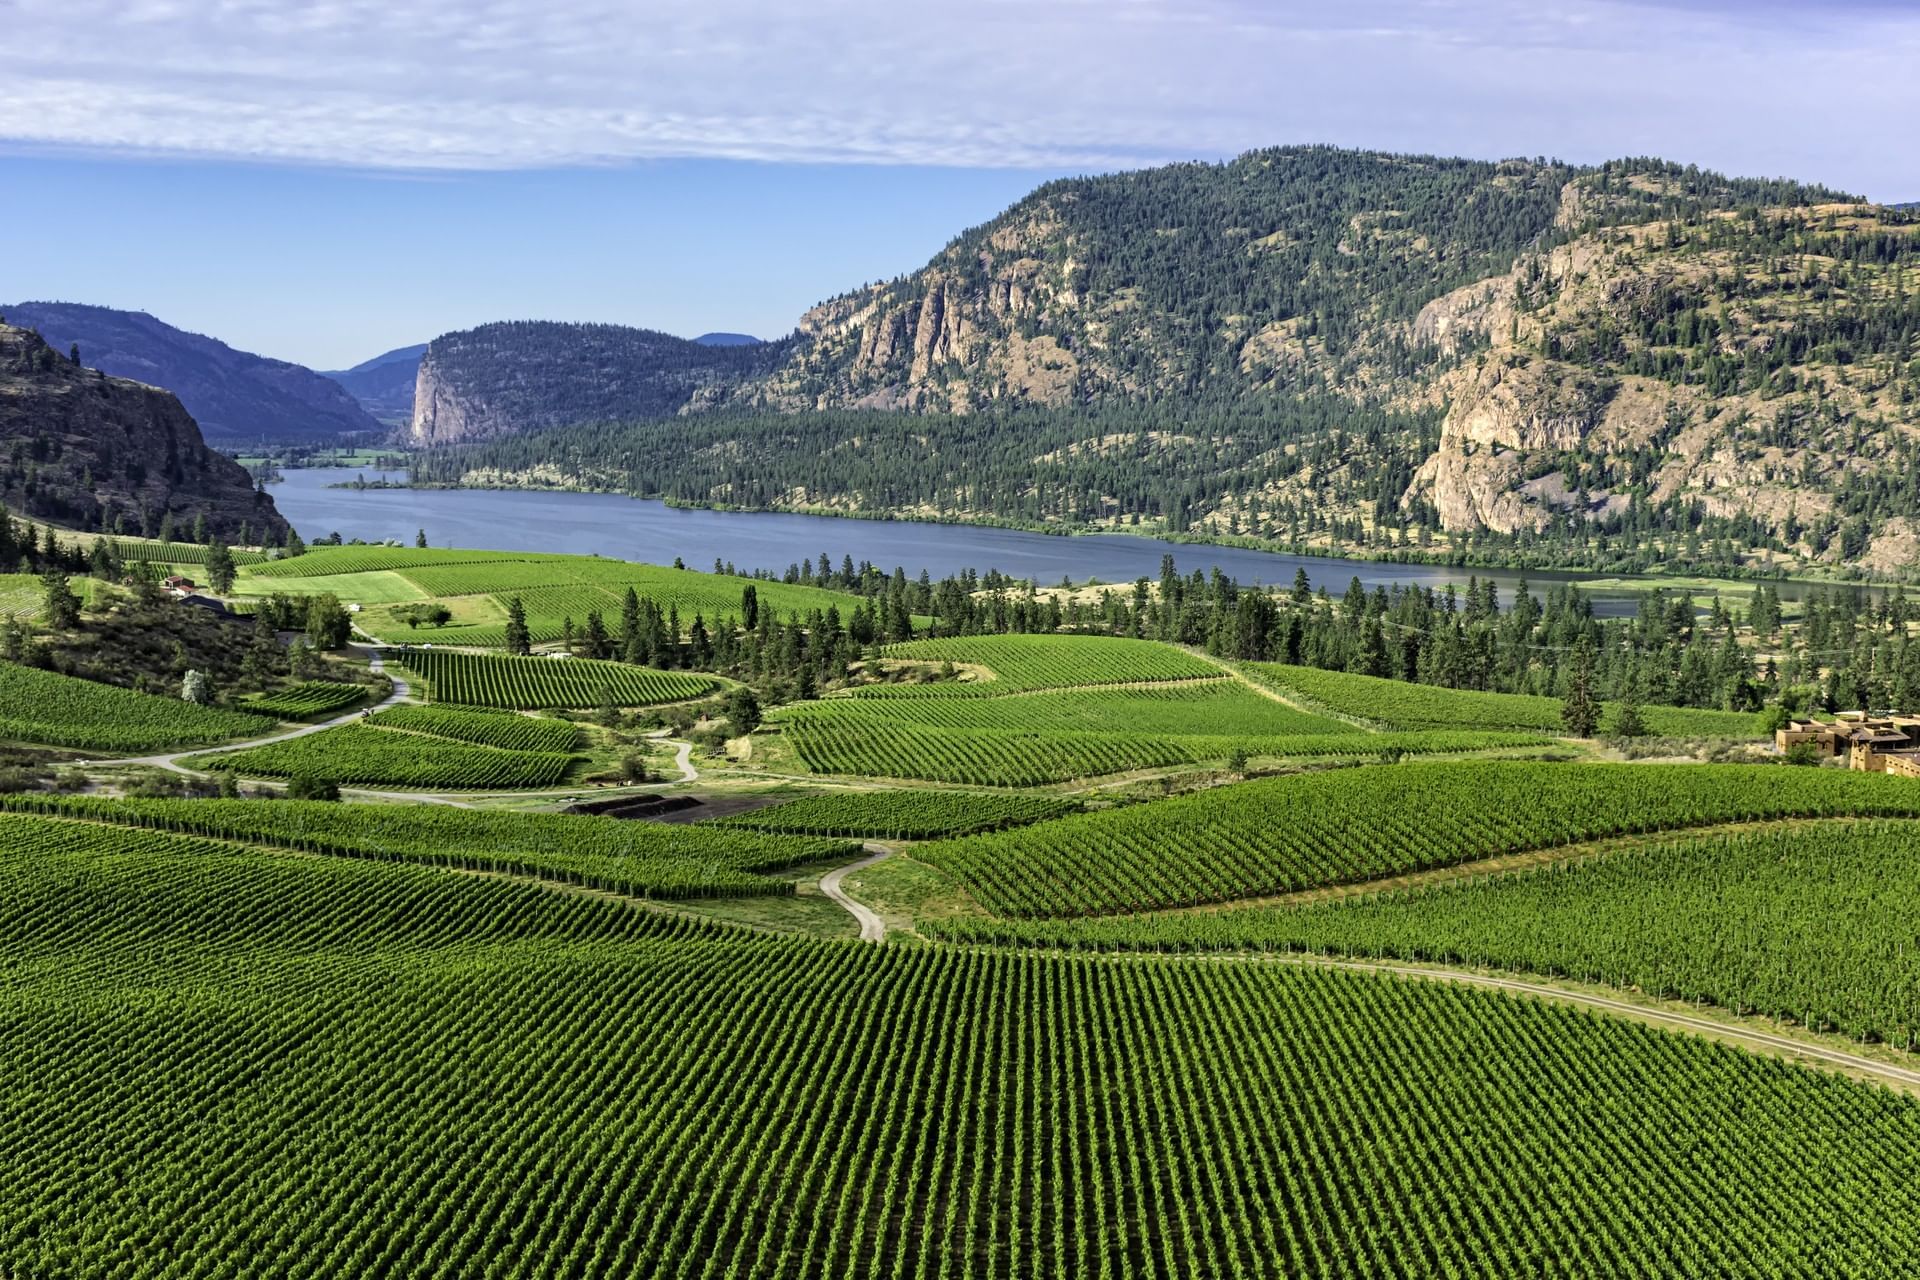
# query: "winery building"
[[1871, 741]]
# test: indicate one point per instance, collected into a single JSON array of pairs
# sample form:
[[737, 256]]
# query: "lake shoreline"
[[1610, 571]]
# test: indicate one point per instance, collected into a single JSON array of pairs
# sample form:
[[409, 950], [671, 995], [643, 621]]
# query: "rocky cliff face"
[[237, 398], [89, 451], [516, 377]]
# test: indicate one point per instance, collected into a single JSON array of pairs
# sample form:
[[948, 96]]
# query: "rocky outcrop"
[[521, 376], [89, 451]]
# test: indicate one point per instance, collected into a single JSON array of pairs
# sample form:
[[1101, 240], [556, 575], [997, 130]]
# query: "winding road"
[[402, 692], [872, 927]]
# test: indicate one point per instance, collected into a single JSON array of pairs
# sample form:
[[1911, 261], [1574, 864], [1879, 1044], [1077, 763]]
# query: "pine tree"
[[62, 610], [1580, 713], [220, 568], [518, 641]]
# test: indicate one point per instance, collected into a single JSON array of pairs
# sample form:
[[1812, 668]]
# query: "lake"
[[641, 529]]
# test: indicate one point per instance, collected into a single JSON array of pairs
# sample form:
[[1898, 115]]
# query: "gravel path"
[[872, 927], [171, 760]]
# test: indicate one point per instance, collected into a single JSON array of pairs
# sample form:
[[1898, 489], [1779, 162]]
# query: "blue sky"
[[325, 179]]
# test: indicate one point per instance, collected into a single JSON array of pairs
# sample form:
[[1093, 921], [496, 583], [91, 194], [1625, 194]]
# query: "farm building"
[[179, 584], [1872, 741]]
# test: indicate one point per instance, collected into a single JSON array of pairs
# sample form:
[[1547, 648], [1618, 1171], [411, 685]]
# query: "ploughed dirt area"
[[681, 808]]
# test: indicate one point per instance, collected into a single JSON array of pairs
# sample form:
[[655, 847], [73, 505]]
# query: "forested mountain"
[[89, 451], [726, 340], [237, 398], [1628, 365], [384, 384], [518, 376]]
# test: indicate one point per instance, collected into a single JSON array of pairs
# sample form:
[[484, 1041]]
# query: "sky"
[[321, 181]]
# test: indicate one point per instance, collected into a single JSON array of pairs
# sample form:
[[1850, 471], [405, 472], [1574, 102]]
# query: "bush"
[[312, 787]]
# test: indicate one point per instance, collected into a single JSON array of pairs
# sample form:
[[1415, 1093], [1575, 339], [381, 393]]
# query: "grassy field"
[[509, 1080], [476, 586]]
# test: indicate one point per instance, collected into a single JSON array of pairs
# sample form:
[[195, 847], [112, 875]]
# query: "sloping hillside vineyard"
[[416, 911], [1274, 1120]]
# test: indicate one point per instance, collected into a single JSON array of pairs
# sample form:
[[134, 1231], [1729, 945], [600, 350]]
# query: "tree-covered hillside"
[[1628, 366]]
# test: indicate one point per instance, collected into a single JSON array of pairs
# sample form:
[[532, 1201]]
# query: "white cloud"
[[1042, 83]]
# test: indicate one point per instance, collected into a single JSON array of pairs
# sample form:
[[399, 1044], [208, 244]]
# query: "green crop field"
[[62, 711], [297, 1067], [1222, 707], [309, 698], [541, 683], [356, 755], [22, 595], [1815, 923], [1285, 834], [1418, 706], [487, 728], [1019, 663], [373, 587], [319, 561], [178, 553], [643, 858], [900, 815], [873, 747]]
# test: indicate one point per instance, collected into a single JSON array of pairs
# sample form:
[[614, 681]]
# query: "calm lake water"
[[637, 529]]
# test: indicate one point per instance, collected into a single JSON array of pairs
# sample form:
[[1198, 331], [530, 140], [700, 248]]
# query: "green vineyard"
[[1189, 708], [1017, 663], [1285, 834], [357, 755], [642, 858], [901, 815], [1812, 923], [1400, 704], [310, 698], [61, 711], [532, 684], [863, 745], [485, 728], [180, 553], [255, 1064]]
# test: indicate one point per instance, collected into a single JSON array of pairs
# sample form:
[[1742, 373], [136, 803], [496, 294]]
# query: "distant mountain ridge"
[[89, 451], [518, 376], [384, 384], [1343, 350], [727, 340], [237, 398]]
